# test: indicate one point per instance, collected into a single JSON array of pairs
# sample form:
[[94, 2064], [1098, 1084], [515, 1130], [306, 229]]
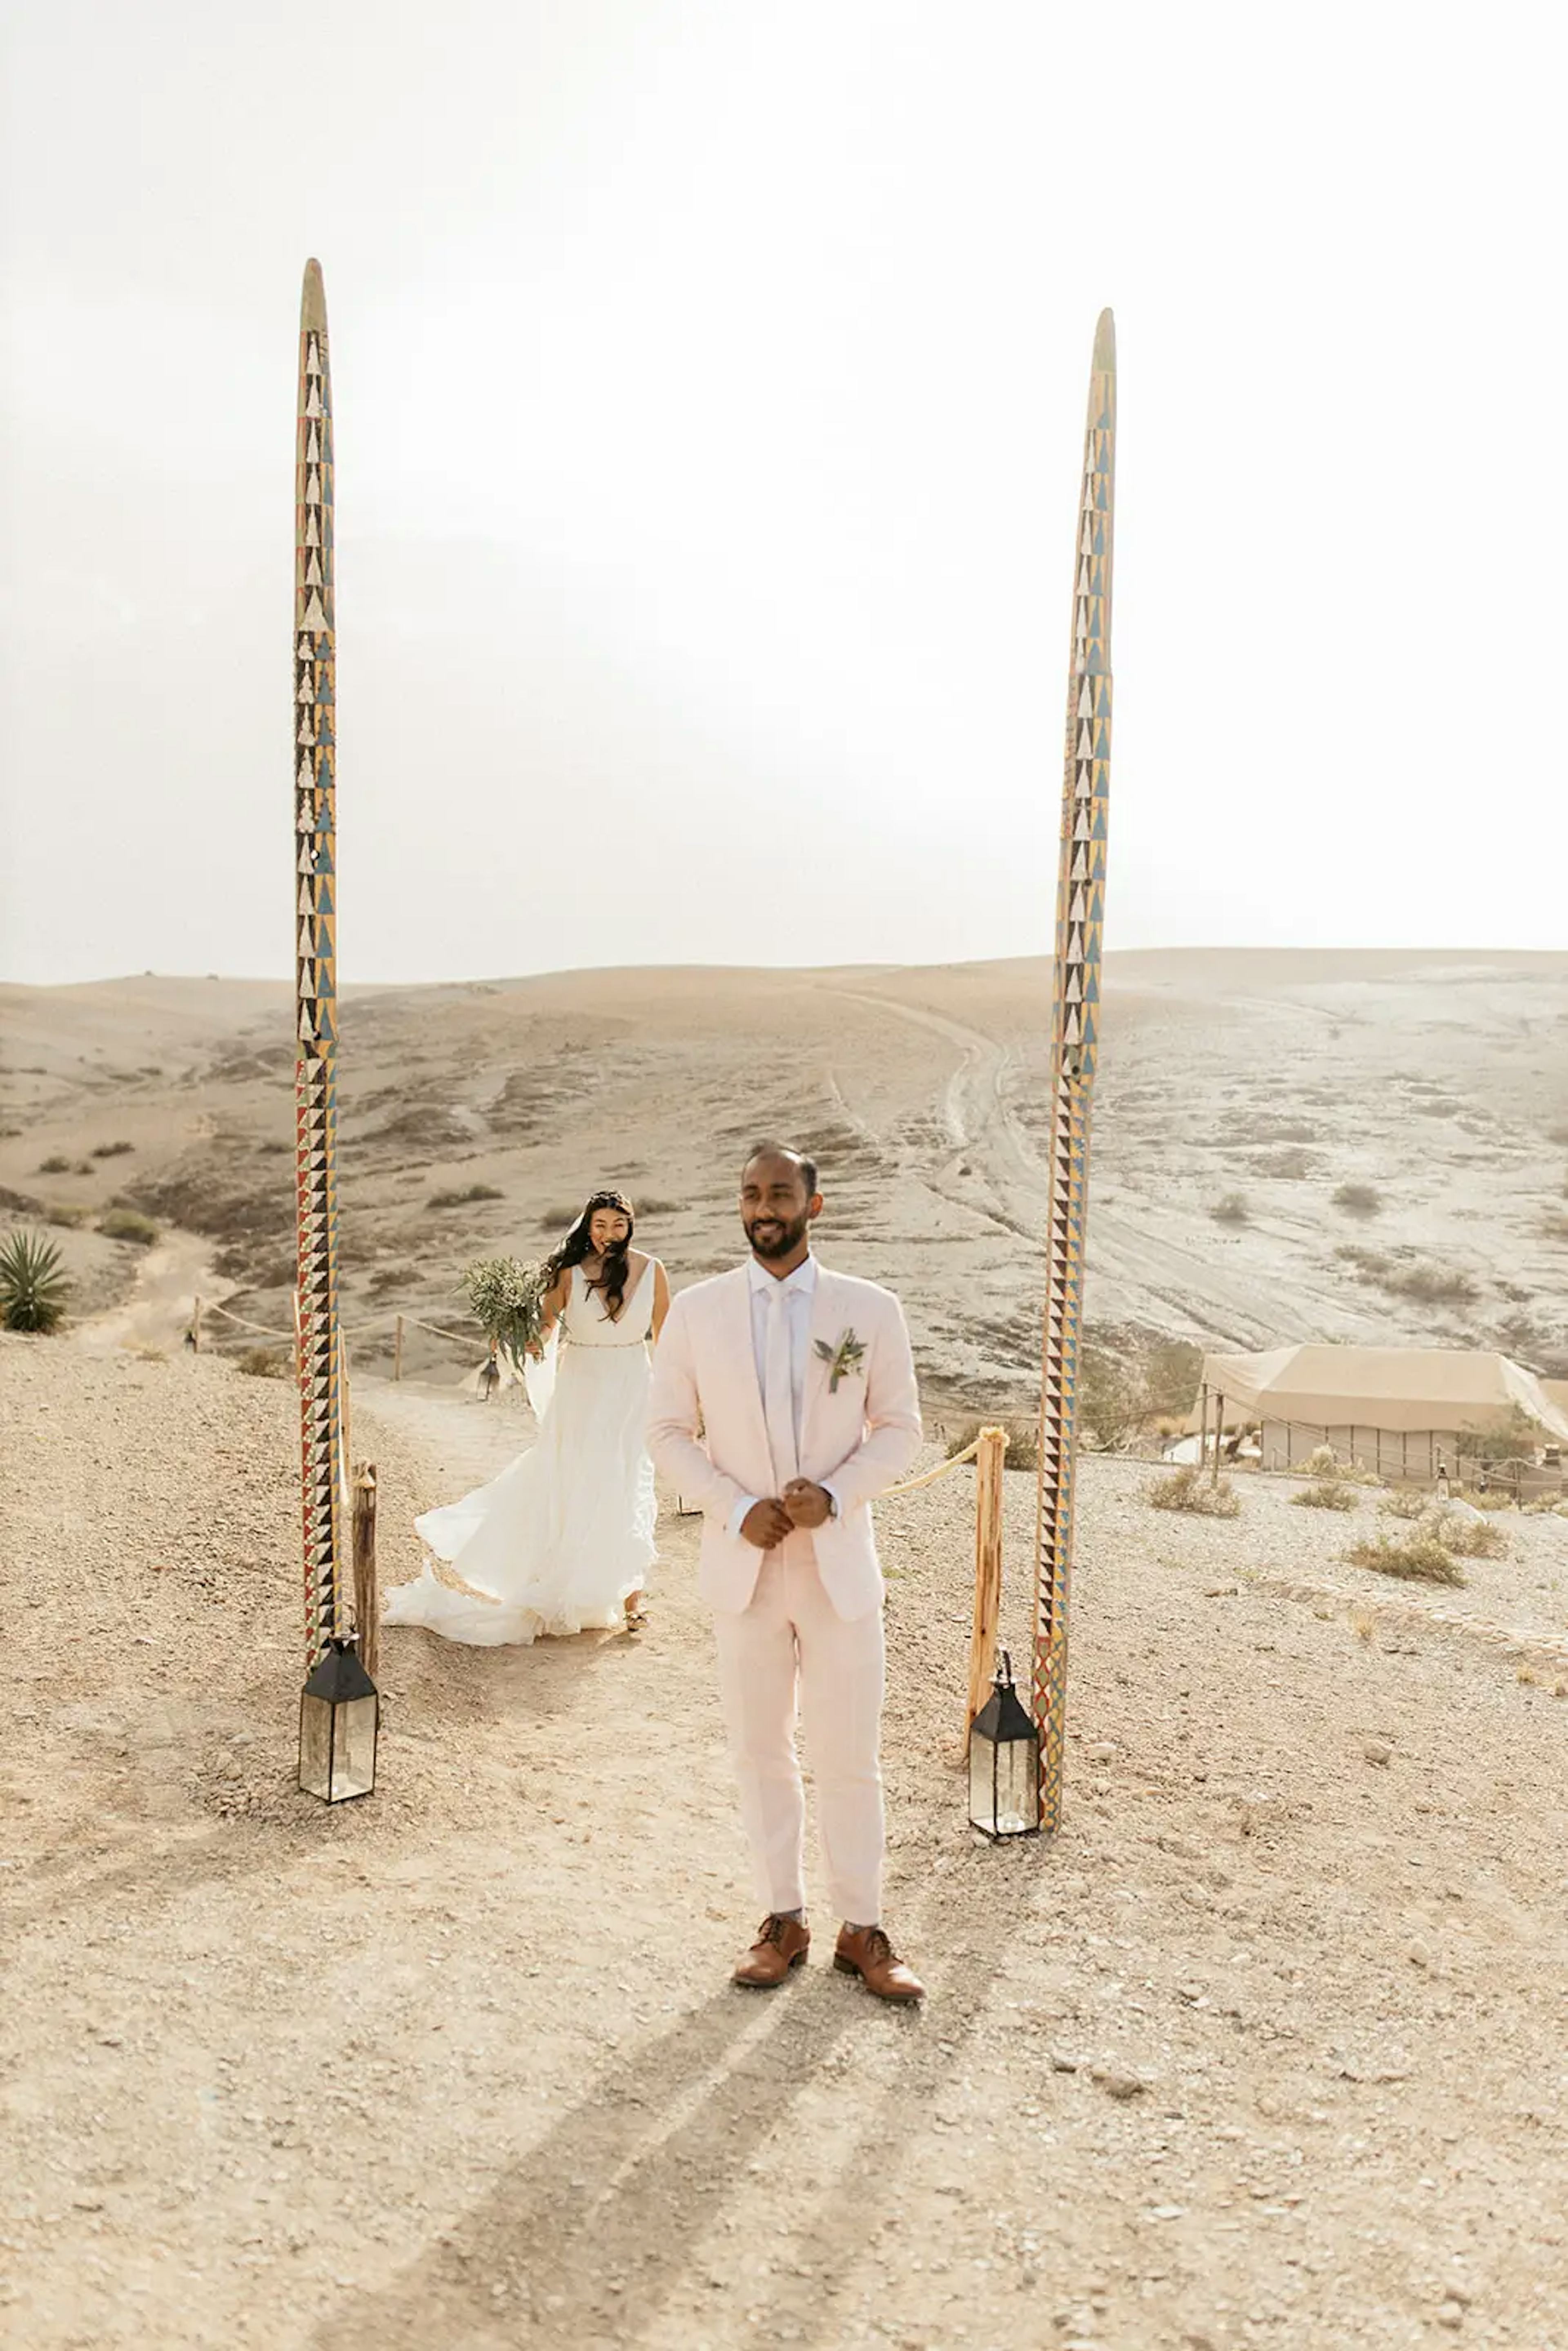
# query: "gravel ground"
[[1266, 2046]]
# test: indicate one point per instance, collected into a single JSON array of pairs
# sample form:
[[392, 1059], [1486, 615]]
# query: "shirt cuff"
[[741, 1512], [832, 1494]]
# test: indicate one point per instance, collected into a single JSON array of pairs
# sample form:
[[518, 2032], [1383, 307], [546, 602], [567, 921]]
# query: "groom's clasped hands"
[[772, 1520]]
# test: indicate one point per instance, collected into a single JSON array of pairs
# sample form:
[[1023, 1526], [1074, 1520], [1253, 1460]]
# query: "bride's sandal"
[[637, 1619]]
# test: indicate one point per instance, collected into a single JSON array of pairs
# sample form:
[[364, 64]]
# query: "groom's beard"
[[777, 1236]]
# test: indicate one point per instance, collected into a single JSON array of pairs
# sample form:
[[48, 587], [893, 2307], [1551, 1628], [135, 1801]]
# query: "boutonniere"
[[843, 1361]]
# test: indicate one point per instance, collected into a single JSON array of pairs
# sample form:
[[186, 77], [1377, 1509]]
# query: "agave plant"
[[32, 1283]]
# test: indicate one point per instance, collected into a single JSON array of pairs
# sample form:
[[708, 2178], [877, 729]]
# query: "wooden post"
[[397, 1351], [988, 1570], [367, 1598], [1219, 1430], [197, 1326], [1202, 1426]]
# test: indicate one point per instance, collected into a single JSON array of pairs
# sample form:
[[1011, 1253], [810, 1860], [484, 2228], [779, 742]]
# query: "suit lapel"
[[737, 1322], [826, 1326]]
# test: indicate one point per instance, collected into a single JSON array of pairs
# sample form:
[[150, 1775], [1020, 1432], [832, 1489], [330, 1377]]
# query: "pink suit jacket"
[[862, 1435]]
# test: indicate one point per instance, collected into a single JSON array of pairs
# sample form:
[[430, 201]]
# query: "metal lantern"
[[1004, 1763], [339, 1714]]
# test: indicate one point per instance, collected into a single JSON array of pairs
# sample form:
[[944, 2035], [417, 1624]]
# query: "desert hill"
[[1427, 1090]]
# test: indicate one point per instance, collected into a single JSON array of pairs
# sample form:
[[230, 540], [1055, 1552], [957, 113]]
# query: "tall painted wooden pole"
[[316, 982], [1074, 1044]]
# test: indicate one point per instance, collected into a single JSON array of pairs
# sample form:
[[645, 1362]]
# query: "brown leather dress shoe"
[[866, 1952], [781, 1944]]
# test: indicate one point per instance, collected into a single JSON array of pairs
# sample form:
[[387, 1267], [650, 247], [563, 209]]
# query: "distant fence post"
[[989, 1464], [367, 1602], [397, 1351]]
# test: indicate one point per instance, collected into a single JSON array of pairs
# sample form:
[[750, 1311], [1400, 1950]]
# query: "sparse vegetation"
[[1325, 1494], [1433, 1285], [464, 1198], [129, 1225], [1171, 1377], [1022, 1448], [1516, 1437], [1190, 1489], [68, 1214], [1322, 1462], [33, 1283], [1112, 1403], [1554, 1226], [1231, 1210], [556, 1220], [659, 1207], [1291, 1166], [1358, 1199], [56, 1164], [267, 1363], [1418, 1557], [1406, 1502], [1483, 1498], [1469, 1538], [111, 1150]]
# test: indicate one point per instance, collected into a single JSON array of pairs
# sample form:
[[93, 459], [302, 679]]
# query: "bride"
[[563, 1539]]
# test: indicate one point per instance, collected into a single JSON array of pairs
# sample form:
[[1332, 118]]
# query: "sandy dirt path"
[[1265, 2048]]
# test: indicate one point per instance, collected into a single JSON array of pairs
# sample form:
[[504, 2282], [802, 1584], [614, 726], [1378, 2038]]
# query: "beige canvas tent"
[[1403, 1411]]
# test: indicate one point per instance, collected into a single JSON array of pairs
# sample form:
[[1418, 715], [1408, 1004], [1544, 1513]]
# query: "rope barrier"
[[942, 1469], [456, 1337], [348, 1331], [241, 1323]]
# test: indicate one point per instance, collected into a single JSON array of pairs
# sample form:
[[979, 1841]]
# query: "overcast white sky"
[[710, 380]]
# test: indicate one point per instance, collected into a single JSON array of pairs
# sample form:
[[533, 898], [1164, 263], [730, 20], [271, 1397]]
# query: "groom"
[[803, 1385]]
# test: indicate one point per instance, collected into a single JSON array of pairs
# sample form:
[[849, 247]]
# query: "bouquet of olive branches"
[[508, 1298]]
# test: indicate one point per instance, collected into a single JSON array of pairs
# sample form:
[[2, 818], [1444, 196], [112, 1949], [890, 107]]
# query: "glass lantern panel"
[[316, 1747], [354, 1753], [983, 1784], [1018, 1804]]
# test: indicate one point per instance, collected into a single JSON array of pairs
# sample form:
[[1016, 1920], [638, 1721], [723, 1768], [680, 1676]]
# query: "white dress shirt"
[[799, 1291]]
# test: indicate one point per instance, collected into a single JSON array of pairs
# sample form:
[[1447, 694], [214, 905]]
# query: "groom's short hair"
[[807, 1166]]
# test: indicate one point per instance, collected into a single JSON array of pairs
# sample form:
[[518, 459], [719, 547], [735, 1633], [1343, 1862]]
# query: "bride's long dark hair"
[[614, 1270]]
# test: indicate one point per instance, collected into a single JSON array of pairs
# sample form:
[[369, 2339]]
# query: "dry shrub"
[[265, 1363], [1023, 1441], [1363, 1621], [1485, 1497], [1231, 1210], [1406, 1502], [1545, 1505], [463, 1200], [68, 1213], [1469, 1538], [1361, 1199], [1433, 1285], [127, 1225], [111, 1150], [1324, 1462], [1326, 1494], [1188, 1489], [1417, 1557]]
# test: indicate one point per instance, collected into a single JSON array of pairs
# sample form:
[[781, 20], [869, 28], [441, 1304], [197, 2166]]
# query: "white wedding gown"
[[557, 1542]]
